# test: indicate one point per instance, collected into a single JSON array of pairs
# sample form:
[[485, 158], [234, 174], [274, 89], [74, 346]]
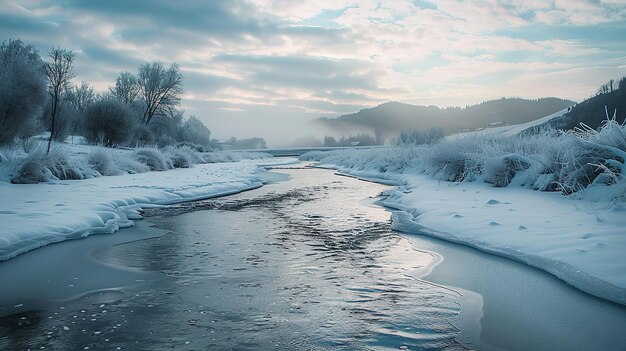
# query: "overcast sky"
[[254, 67]]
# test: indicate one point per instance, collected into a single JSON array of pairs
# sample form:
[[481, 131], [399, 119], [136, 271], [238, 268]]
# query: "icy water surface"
[[307, 264]]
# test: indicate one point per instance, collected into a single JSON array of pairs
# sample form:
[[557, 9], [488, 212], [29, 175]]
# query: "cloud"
[[298, 60]]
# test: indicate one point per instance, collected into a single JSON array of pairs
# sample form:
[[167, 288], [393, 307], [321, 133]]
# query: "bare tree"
[[81, 96], [22, 90], [126, 88], [59, 71], [160, 87]]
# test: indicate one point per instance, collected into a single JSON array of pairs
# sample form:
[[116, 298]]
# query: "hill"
[[388, 119], [592, 111]]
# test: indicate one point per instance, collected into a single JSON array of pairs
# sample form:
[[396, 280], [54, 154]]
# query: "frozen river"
[[307, 262]]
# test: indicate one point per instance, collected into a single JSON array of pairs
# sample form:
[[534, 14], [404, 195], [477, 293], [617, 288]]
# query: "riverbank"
[[580, 242], [35, 215]]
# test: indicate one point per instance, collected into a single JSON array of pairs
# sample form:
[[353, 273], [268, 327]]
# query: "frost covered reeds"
[[584, 163], [60, 163], [41, 166]]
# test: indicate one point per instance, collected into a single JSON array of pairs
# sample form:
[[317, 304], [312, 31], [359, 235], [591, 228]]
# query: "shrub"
[[102, 162], [131, 166], [192, 146], [39, 166], [153, 158], [501, 170], [181, 157], [108, 122]]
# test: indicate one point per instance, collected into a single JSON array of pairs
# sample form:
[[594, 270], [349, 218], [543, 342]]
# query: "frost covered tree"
[[59, 70], [418, 137], [22, 89], [166, 126], [81, 96], [194, 131], [330, 141], [108, 122], [126, 88], [161, 89], [77, 99]]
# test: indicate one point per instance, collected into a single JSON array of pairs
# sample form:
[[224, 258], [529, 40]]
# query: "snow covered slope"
[[508, 130], [34, 215]]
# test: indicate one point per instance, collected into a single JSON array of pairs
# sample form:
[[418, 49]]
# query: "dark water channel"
[[305, 264]]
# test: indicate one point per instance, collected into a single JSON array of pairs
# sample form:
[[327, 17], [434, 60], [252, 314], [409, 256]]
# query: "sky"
[[266, 67]]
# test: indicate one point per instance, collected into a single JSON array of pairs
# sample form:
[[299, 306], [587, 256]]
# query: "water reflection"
[[299, 265]]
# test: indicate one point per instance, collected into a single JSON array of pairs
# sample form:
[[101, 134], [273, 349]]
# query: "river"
[[307, 262]]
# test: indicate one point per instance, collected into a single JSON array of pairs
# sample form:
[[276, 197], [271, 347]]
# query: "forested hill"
[[388, 119], [592, 111]]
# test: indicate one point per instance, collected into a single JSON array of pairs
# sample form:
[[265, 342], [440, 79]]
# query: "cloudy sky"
[[254, 67]]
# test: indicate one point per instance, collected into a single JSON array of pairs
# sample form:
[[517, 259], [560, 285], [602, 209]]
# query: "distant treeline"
[[245, 144]]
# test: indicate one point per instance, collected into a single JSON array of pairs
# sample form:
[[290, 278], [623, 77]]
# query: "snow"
[[580, 242], [34, 215], [508, 130]]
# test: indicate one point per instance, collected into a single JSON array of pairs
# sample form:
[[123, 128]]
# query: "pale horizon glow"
[[265, 67]]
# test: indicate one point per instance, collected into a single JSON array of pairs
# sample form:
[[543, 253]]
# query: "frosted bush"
[[500, 171], [128, 165], [192, 153], [588, 163], [182, 157], [39, 166], [32, 172], [102, 162], [195, 147], [599, 167], [455, 160], [153, 158]]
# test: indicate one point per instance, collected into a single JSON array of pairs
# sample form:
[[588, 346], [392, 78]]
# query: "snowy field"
[[482, 192], [34, 215]]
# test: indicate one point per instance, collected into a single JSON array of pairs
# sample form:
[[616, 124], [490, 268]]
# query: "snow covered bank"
[[582, 245], [482, 192], [67, 161], [34, 215]]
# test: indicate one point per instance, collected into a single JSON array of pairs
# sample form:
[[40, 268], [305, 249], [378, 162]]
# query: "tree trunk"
[[54, 114]]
